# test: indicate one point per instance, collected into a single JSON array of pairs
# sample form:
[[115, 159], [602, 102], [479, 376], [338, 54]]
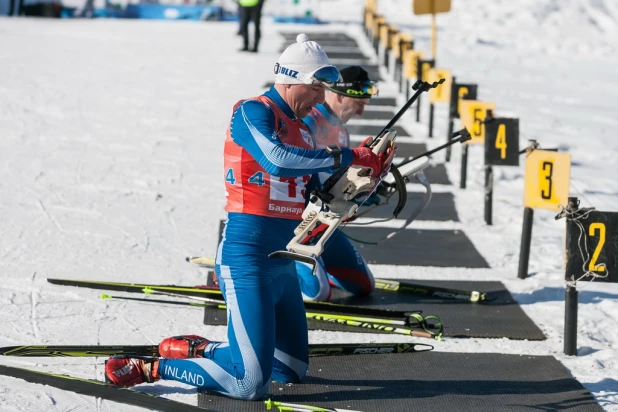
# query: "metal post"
[[407, 89], [464, 167], [431, 108], [448, 137], [434, 36], [570, 320], [524, 248], [489, 193], [386, 54], [418, 110]]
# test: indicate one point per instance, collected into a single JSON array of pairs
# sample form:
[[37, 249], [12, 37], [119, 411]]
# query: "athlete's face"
[[303, 97], [351, 107]]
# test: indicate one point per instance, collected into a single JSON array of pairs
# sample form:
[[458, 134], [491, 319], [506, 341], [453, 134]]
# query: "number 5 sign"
[[472, 114], [547, 180]]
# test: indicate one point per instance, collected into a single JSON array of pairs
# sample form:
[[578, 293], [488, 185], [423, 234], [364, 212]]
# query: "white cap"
[[304, 56]]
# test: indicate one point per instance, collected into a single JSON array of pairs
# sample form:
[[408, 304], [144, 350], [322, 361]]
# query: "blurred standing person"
[[250, 10], [240, 9]]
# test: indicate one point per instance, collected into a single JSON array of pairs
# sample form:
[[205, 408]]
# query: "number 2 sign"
[[547, 180], [592, 246]]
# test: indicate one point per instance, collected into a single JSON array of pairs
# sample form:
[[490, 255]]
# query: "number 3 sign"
[[547, 179]]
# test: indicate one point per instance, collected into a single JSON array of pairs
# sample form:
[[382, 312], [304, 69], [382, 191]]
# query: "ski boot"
[[128, 371], [183, 347]]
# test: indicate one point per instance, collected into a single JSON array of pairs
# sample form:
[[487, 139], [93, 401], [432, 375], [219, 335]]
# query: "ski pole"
[[388, 318], [420, 87], [457, 137], [330, 307], [201, 261], [416, 317], [171, 302], [319, 349], [387, 285], [387, 325]]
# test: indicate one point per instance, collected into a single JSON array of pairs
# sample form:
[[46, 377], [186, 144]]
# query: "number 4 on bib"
[[229, 176]]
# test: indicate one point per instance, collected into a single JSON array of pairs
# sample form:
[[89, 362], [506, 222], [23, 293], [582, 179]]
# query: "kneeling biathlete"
[[269, 159], [341, 264]]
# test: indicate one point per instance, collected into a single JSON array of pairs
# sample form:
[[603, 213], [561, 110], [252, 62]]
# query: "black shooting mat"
[[359, 58], [436, 173], [353, 53], [314, 36], [500, 317], [375, 101], [427, 381], [441, 208], [383, 101], [341, 64], [373, 129], [326, 43], [378, 114], [415, 247], [342, 49]]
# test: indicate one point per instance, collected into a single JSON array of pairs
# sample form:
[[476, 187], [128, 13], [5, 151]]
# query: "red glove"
[[364, 157]]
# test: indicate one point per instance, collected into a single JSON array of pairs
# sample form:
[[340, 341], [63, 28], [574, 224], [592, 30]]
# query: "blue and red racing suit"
[[342, 265], [269, 158]]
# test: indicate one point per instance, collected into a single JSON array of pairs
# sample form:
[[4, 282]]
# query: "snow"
[[111, 157]]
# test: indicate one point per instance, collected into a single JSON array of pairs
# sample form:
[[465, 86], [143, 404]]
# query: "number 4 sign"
[[547, 180]]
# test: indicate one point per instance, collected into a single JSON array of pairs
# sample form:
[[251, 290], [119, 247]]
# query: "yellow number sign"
[[376, 23], [547, 179], [394, 46], [369, 19], [431, 6], [410, 61], [472, 114], [442, 93], [396, 39], [425, 67], [384, 35]]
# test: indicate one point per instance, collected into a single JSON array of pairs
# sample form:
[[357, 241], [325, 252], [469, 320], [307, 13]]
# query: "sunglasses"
[[328, 75], [369, 87]]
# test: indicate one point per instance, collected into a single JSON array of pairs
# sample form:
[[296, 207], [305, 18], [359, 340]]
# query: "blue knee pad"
[[313, 286]]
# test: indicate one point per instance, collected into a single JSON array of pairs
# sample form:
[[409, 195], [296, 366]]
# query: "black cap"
[[356, 83]]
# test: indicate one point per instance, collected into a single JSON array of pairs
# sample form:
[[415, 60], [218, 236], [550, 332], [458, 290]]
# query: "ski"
[[79, 350], [404, 326], [214, 293], [319, 349], [295, 407], [433, 291], [381, 326], [100, 389], [390, 285]]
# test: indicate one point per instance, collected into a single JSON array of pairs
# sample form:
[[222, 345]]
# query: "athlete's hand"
[[364, 157], [379, 164]]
